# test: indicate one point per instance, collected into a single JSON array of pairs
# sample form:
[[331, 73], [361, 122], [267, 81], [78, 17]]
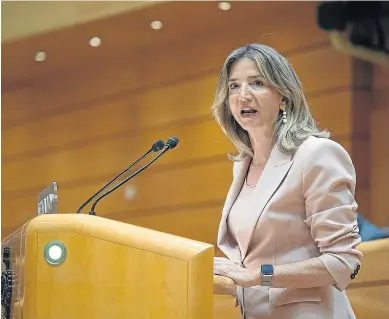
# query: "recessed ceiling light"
[[225, 6], [156, 25], [95, 42], [40, 56]]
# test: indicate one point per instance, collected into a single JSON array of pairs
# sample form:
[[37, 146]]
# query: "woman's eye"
[[233, 86], [258, 83]]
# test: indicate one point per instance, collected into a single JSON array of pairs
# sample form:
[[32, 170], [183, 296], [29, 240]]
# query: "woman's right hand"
[[223, 286]]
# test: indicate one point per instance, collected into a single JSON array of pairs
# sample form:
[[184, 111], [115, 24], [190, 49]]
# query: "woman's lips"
[[248, 112]]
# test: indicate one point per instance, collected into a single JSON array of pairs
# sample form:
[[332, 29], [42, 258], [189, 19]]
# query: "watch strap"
[[267, 272]]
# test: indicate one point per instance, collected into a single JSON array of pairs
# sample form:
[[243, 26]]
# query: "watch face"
[[267, 269]]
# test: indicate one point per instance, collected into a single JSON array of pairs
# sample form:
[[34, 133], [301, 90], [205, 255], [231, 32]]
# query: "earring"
[[283, 109]]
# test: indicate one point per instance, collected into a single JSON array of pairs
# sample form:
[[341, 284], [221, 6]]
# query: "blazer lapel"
[[225, 240], [272, 176]]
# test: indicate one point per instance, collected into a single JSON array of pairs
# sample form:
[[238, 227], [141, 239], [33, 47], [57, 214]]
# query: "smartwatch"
[[267, 272]]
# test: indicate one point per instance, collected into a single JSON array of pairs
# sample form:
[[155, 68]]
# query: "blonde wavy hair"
[[278, 73]]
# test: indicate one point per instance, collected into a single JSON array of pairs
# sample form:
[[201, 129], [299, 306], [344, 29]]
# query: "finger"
[[220, 270], [229, 266], [220, 262], [224, 285], [223, 262]]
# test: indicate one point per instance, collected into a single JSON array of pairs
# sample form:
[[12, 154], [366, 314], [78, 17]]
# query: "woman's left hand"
[[241, 276]]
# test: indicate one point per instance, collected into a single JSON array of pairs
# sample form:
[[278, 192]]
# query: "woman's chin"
[[249, 123]]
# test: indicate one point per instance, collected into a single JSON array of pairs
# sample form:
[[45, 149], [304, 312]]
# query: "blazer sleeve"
[[328, 188]]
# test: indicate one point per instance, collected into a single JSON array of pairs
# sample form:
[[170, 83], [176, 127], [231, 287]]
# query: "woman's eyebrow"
[[250, 77]]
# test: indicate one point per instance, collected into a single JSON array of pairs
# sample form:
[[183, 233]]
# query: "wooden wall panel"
[[332, 111], [381, 97], [152, 107], [74, 93], [380, 77], [126, 114], [75, 157], [160, 190], [82, 127], [127, 36], [381, 87], [318, 77], [380, 148], [160, 66], [199, 139], [198, 224], [156, 189], [370, 302]]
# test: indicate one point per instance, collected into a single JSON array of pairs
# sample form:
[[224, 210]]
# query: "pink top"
[[243, 206]]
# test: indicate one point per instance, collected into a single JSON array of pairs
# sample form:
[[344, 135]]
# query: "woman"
[[288, 227]]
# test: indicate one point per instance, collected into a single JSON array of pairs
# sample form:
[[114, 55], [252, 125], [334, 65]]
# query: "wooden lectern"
[[70, 266]]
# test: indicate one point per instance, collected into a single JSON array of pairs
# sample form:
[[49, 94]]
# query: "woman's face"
[[253, 103]]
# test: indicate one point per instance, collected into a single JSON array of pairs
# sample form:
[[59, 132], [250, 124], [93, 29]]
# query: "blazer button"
[[352, 276], [358, 267]]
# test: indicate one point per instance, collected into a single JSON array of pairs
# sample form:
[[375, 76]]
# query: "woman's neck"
[[261, 142]]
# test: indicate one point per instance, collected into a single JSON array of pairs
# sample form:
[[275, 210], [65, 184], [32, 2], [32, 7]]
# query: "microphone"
[[157, 146], [170, 144]]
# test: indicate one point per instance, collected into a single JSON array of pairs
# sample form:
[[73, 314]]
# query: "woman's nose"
[[244, 94]]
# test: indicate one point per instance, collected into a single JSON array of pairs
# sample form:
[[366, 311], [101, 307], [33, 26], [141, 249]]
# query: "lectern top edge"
[[118, 232]]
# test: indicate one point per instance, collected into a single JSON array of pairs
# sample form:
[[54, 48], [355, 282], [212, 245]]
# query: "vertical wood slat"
[[380, 147]]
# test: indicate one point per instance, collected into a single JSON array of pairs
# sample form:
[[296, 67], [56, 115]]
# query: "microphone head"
[[158, 145], [172, 142]]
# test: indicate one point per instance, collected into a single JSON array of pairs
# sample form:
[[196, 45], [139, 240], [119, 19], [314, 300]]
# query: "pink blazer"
[[305, 208]]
